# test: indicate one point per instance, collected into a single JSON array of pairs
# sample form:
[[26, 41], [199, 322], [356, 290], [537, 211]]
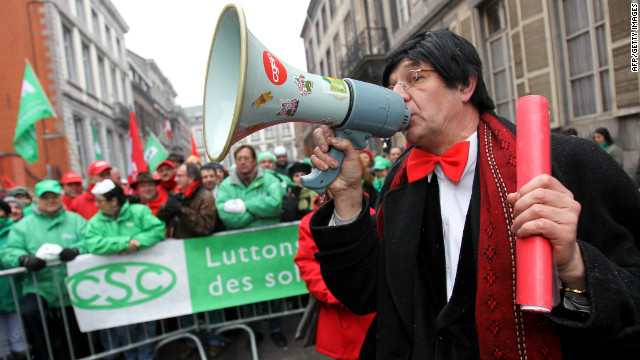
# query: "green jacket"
[[6, 296], [106, 235], [65, 228], [285, 181], [262, 198]]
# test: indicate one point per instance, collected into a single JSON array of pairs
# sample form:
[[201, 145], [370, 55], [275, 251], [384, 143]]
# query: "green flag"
[[34, 106], [154, 152], [96, 143]]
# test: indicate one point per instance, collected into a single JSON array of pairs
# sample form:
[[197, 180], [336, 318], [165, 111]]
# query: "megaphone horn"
[[248, 88]]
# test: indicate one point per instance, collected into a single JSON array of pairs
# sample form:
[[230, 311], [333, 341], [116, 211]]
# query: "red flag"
[[194, 149], [167, 128], [136, 159], [8, 183]]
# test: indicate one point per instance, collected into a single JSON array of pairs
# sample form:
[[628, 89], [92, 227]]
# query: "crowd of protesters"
[[182, 200], [59, 220]]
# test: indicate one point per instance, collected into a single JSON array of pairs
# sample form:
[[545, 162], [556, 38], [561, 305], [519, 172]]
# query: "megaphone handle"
[[319, 180]]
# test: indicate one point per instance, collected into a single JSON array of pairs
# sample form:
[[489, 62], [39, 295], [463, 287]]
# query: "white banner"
[[151, 284]]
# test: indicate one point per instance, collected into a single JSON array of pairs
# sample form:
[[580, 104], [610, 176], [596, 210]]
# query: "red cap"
[[165, 162], [369, 153], [71, 177], [98, 166]]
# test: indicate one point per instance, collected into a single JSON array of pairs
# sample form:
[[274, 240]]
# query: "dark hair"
[[176, 158], [607, 136], [193, 170], [453, 57], [208, 166], [5, 206], [117, 193], [244, 146]]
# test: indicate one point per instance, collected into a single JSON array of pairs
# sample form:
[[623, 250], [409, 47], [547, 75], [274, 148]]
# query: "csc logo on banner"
[[119, 285]]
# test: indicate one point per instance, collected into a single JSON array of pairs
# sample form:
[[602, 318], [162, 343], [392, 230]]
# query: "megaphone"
[[248, 88]]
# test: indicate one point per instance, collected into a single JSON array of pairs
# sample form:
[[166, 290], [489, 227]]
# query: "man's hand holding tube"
[[545, 207], [347, 188]]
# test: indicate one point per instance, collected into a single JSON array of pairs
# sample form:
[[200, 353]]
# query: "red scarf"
[[191, 187], [504, 331]]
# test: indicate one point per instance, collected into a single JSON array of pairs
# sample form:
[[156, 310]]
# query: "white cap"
[[280, 151], [103, 187]]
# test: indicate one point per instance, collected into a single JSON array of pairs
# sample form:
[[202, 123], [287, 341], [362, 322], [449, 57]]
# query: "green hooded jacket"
[[6, 296], [64, 228], [262, 199], [106, 235]]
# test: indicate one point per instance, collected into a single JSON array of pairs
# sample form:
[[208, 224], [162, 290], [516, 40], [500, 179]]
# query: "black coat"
[[371, 276]]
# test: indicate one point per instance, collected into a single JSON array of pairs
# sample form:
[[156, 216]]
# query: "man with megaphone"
[[437, 263]]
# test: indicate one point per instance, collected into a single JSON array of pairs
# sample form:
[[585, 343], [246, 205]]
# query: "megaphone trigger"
[[319, 180]]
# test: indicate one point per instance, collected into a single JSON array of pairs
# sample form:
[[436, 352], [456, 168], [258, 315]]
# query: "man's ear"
[[466, 91]]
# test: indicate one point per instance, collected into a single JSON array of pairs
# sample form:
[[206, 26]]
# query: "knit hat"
[[266, 154], [299, 167], [280, 151]]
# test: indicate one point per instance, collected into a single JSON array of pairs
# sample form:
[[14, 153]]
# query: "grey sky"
[[177, 35]]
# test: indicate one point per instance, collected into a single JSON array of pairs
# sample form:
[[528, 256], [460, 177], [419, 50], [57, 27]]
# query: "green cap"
[[48, 186], [380, 163], [266, 154]]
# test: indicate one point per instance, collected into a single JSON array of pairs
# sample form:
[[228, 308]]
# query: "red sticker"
[[276, 72]]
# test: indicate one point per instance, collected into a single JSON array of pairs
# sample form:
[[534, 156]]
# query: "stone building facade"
[[576, 53]]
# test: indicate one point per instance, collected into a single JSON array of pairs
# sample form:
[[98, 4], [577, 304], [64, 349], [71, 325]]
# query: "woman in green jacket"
[[50, 233], [123, 228], [12, 343]]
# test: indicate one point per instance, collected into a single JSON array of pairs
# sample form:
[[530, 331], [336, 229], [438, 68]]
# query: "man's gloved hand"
[[235, 206], [173, 205], [68, 254], [32, 262]]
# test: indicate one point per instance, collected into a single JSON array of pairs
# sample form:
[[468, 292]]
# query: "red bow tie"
[[453, 161]]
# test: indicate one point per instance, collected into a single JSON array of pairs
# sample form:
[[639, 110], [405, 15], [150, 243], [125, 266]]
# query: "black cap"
[[299, 167]]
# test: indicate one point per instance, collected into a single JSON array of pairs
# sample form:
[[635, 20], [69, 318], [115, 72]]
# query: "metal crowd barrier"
[[167, 330]]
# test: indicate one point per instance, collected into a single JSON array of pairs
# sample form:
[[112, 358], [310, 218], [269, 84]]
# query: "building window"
[[112, 149], [88, 70], [118, 50], [95, 23], [269, 133], [70, 59], [587, 54], [349, 38], [318, 33], [310, 57], [103, 78], [107, 36], [114, 85], [330, 65], [399, 10], [80, 10], [332, 7], [337, 51], [325, 22], [80, 141], [286, 129], [499, 60]]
